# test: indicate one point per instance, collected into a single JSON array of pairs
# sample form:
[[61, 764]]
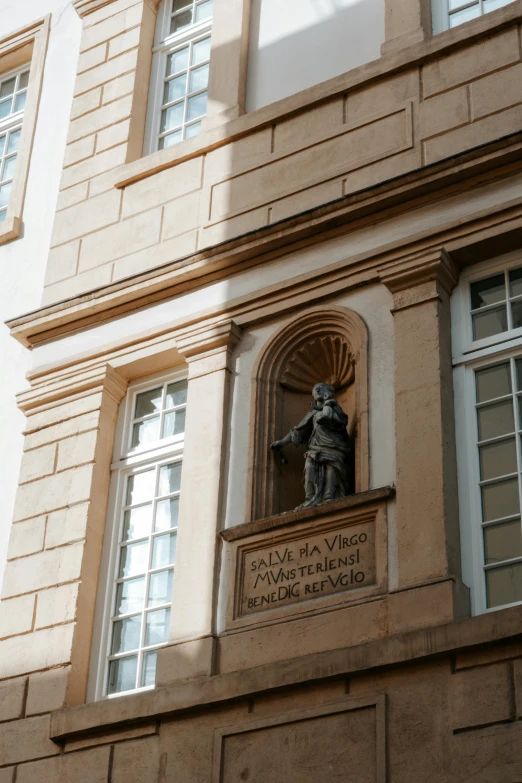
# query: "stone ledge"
[[125, 711], [289, 518], [168, 280]]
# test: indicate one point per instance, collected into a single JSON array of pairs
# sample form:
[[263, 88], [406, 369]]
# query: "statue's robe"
[[328, 443]]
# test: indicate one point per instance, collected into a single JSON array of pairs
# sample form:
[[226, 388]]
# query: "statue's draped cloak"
[[328, 441]]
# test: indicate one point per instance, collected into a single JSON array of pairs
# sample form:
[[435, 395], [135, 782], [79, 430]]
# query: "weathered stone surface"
[[26, 739], [12, 698], [47, 691], [88, 766]]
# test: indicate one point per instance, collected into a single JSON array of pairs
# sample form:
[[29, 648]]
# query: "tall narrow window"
[[178, 96], [488, 359], [145, 498], [13, 93]]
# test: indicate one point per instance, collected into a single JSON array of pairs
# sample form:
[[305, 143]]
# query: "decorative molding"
[[194, 343], [61, 390], [327, 359], [84, 7], [263, 244], [436, 265]]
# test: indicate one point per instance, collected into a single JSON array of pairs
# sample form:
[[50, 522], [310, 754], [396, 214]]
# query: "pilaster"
[[428, 544], [208, 351], [406, 22], [229, 58]]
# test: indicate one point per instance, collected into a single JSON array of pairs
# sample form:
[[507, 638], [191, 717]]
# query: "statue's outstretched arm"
[[279, 444]]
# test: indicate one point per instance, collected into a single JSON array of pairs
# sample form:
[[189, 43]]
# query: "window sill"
[[440, 44], [10, 229], [75, 723]]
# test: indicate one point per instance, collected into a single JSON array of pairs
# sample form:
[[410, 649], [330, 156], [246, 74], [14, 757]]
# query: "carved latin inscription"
[[308, 567]]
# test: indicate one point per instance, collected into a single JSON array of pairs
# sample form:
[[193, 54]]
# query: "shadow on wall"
[[298, 43]]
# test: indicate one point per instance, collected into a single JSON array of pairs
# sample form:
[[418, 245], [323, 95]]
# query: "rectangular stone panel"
[[342, 741], [309, 566], [368, 140]]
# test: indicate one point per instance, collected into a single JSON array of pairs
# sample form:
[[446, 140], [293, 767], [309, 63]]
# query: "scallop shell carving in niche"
[[324, 359]]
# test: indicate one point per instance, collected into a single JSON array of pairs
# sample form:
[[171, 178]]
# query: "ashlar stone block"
[[12, 694]]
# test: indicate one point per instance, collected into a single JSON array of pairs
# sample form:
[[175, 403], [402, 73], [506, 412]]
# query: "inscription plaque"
[[307, 567]]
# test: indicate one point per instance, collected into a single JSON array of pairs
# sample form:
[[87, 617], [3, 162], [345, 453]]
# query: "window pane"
[[172, 116], [464, 16], [492, 5], [199, 78], [2, 144], [14, 141], [516, 314], [129, 596], [197, 106], [489, 291], [168, 141], [177, 61], [7, 87], [126, 634], [175, 89], [137, 522], [145, 432], [174, 424], [178, 22], [157, 630], [9, 167], [160, 588], [164, 550], [149, 668], [133, 559], [20, 101], [3, 214], [201, 51], [504, 585], [192, 130], [498, 459], [176, 394], [489, 323], [170, 478], [493, 382], [167, 514], [140, 487], [204, 11], [515, 280], [5, 108], [495, 420], [23, 81], [500, 500], [122, 674], [148, 402], [177, 5], [502, 542], [5, 192]]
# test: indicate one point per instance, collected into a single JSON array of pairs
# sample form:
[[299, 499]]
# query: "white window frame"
[[11, 123], [126, 461], [165, 44], [440, 12], [468, 356]]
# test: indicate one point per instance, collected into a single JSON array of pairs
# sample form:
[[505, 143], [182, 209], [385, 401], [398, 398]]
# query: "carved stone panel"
[[341, 741], [308, 560]]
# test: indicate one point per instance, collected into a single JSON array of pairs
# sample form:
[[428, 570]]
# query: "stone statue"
[[328, 472]]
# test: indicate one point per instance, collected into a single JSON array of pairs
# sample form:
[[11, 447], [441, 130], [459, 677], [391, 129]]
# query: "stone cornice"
[[207, 339], [84, 7], [310, 227], [104, 378], [436, 265], [425, 643]]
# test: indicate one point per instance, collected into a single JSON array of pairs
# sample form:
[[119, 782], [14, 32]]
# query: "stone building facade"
[[230, 226]]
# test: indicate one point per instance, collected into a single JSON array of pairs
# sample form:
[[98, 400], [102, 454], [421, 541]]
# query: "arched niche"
[[324, 344]]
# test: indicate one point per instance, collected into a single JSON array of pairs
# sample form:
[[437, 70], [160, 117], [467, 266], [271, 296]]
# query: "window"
[[180, 71], [451, 13], [145, 501], [13, 94], [488, 400]]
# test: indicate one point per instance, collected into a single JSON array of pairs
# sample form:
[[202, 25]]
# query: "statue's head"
[[323, 392]]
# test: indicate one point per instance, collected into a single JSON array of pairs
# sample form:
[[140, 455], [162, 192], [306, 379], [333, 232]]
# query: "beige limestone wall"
[[117, 218]]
